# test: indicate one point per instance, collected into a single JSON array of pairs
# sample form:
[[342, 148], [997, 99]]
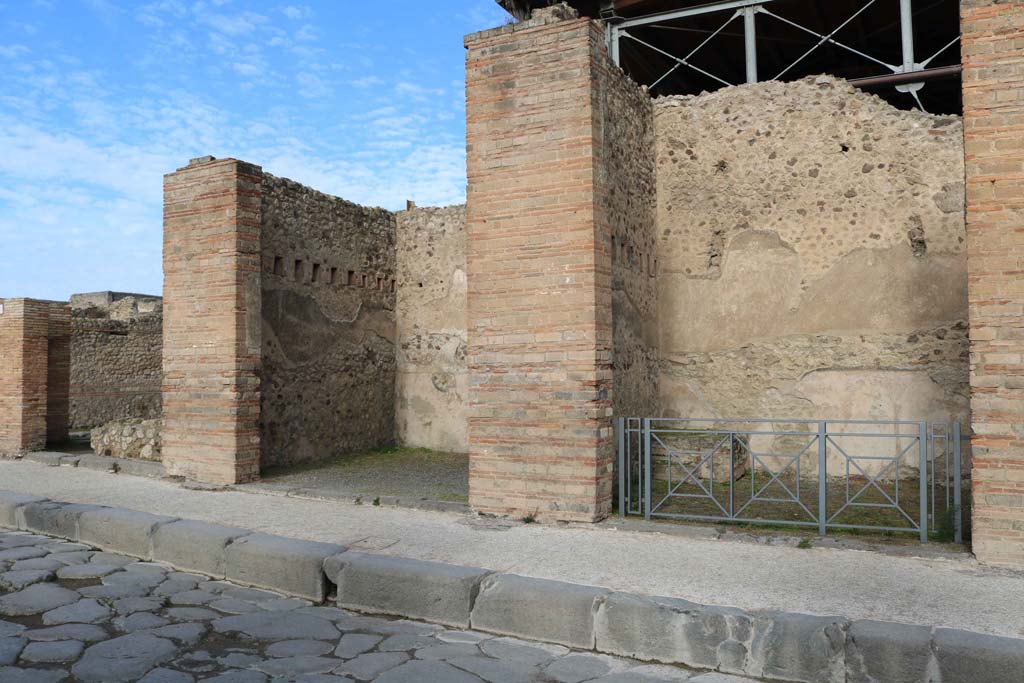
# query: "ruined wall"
[[328, 325], [626, 174], [812, 257], [430, 309], [116, 365]]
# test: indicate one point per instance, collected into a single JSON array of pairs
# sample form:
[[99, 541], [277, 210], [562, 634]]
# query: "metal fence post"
[[822, 479], [647, 468], [620, 445], [958, 514], [922, 443]]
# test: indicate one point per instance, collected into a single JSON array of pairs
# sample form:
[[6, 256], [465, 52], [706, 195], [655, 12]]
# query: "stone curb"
[[781, 646]]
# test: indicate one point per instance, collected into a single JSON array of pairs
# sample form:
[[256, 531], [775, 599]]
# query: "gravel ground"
[[69, 613]]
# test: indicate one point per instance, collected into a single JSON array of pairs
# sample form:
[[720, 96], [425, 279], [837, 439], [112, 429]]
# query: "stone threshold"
[[306, 493], [774, 645]]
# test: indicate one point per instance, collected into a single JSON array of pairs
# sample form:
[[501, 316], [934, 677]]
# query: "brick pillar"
[[24, 325], [539, 262], [58, 372], [211, 350], [993, 90]]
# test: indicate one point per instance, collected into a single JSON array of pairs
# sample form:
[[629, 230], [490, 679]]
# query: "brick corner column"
[[211, 352], [24, 327], [539, 313], [993, 93]]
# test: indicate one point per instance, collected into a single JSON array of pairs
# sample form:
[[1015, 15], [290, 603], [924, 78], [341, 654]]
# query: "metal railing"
[[891, 476]]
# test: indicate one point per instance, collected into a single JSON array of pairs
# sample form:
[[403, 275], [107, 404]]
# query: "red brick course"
[[211, 321], [993, 90]]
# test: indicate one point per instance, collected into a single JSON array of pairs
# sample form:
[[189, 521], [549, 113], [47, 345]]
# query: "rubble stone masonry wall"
[[430, 307], [812, 257], [328, 325], [993, 82], [116, 367]]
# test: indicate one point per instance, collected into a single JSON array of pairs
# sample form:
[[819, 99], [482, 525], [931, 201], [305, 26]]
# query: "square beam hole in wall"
[[279, 266], [351, 280], [316, 272], [332, 277], [298, 270]]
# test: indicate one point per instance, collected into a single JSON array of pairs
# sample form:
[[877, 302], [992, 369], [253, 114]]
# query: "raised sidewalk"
[[770, 586]]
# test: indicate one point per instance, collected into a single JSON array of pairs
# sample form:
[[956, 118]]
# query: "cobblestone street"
[[70, 613]]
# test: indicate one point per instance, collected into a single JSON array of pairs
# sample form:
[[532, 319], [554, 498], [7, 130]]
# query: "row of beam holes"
[[620, 252], [352, 279]]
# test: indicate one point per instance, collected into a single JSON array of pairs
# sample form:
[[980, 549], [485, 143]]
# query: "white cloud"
[[367, 82]]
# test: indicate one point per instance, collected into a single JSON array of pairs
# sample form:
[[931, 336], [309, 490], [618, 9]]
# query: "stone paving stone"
[[297, 648], [720, 678], [89, 633], [232, 606], [167, 676], [9, 628], [192, 597], [10, 648], [18, 675], [354, 644], [292, 666], [123, 659], [185, 634], [462, 637], [191, 614], [238, 676], [112, 558], [447, 651], [419, 670], [36, 599], [275, 626], [114, 592], [132, 605], [405, 642], [56, 652], [16, 580], [576, 667], [367, 666], [139, 621], [498, 670], [86, 611], [47, 563], [89, 570], [523, 651]]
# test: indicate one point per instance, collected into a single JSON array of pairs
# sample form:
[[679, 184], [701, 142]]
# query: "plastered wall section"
[[539, 262], [328, 325], [34, 346], [993, 83], [812, 257], [211, 348], [430, 309], [116, 367]]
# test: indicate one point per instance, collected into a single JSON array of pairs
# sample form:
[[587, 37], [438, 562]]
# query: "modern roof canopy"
[[906, 51]]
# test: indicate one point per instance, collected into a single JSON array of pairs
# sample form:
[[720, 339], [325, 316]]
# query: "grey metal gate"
[[892, 476]]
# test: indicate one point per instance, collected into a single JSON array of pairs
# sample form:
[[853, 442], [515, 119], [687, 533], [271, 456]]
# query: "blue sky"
[[100, 98]]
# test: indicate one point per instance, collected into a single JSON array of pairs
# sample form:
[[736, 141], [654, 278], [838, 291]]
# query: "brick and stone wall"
[[34, 375], [116, 364], [625, 173], [430, 308], [328, 301], [993, 83], [211, 350], [540, 269]]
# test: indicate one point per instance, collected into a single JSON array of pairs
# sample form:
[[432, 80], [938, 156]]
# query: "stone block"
[[538, 609], [965, 657], [195, 546], [432, 591], [674, 631], [53, 519], [883, 651], [122, 531], [798, 647], [10, 502], [282, 564]]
